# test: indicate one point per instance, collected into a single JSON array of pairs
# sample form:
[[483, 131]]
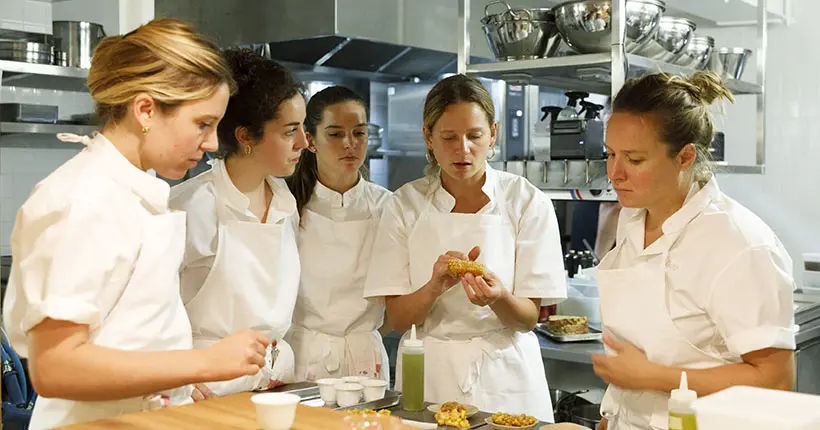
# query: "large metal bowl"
[[730, 62], [642, 19], [585, 25], [697, 53], [671, 40], [520, 34]]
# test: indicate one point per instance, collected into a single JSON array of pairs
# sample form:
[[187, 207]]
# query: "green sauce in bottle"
[[412, 373]]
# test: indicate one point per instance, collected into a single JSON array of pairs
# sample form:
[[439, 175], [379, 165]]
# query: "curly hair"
[[262, 86]]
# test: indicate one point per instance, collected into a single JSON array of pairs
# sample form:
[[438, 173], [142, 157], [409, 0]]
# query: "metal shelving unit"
[[605, 73], [45, 76]]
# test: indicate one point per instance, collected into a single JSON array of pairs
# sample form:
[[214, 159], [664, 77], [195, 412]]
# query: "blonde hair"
[[449, 91], [679, 109], [165, 59]]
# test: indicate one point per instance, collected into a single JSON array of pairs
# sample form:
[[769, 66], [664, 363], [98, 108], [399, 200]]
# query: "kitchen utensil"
[[730, 62], [585, 25], [697, 53], [519, 34], [642, 19], [77, 39], [327, 389], [671, 40], [588, 416], [21, 112], [275, 411], [470, 410], [28, 52], [374, 136], [374, 389], [348, 394]]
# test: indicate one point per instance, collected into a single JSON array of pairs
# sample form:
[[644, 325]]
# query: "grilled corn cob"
[[460, 267]]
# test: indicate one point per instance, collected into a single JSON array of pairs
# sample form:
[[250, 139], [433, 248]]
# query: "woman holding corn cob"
[[492, 241]]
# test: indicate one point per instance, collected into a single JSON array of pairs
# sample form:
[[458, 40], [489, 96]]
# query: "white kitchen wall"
[[25, 15], [786, 196]]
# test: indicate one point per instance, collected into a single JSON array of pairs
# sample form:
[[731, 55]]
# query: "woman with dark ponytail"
[[335, 330]]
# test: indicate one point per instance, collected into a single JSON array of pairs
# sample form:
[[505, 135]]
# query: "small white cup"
[[327, 390], [374, 389], [275, 411], [354, 379], [348, 394]]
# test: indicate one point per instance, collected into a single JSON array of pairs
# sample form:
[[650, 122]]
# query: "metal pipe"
[[463, 35], [762, 36]]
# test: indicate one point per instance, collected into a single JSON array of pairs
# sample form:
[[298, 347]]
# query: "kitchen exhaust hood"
[[385, 40]]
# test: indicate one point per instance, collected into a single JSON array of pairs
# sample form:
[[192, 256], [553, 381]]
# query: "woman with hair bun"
[[241, 265], [93, 298], [696, 282]]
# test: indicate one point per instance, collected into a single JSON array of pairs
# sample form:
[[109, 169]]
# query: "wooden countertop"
[[234, 412]]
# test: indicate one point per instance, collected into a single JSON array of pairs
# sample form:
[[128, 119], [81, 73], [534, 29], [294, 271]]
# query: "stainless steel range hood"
[[388, 40]]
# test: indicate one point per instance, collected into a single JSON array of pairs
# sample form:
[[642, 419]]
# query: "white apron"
[[148, 316], [635, 309], [335, 330], [470, 357], [252, 284]]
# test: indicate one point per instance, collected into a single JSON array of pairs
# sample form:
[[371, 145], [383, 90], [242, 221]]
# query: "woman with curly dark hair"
[[241, 264]]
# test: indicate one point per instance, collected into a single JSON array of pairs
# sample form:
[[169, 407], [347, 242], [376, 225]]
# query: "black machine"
[[577, 138]]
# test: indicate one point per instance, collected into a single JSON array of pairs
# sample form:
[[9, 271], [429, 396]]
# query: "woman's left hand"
[[628, 368], [202, 392], [483, 290]]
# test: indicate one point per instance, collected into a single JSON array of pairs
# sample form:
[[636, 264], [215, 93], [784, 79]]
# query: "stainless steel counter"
[[575, 352]]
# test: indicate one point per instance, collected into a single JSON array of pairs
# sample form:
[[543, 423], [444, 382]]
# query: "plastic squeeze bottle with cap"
[[412, 373], [681, 414]]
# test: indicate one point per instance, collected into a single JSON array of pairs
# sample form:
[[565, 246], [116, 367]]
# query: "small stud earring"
[[145, 130]]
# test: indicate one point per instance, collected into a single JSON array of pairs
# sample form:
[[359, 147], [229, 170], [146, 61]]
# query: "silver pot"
[[671, 40], [698, 53], [520, 34], [730, 62], [77, 39], [29, 52], [642, 19]]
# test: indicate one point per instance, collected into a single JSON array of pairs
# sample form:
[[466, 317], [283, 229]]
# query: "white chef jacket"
[[539, 271], [197, 196], [730, 277], [364, 201], [78, 237]]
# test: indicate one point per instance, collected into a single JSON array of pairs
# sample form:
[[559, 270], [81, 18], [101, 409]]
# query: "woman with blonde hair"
[[93, 298], [477, 328], [696, 282]]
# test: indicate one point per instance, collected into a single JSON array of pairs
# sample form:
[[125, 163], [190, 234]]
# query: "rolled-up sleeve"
[[751, 301], [389, 270], [539, 267], [69, 264]]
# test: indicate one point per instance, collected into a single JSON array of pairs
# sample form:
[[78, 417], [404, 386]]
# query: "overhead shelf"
[[730, 12], [37, 128], [33, 75], [588, 72]]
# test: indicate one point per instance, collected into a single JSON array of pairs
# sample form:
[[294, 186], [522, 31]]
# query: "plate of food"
[[469, 410], [452, 414], [565, 328], [504, 421]]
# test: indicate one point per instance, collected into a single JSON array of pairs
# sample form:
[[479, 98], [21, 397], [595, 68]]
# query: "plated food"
[[453, 418], [506, 421], [562, 325], [460, 267], [470, 410]]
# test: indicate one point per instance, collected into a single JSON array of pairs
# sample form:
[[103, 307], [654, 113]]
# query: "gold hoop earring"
[[248, 150], [492, 154], [145, 130]]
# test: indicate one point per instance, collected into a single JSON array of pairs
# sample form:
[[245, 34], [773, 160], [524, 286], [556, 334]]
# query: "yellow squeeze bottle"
[[681, 414]]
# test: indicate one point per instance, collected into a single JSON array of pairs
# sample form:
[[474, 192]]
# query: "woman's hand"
[[202, 392], [442, 279], [603, 424], [628, 368], [483, 290]]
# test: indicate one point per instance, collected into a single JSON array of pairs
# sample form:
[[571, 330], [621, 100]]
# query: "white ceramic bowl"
[[348, 394], [275, 411], [374, 389], [354, 379], [327, 390]]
